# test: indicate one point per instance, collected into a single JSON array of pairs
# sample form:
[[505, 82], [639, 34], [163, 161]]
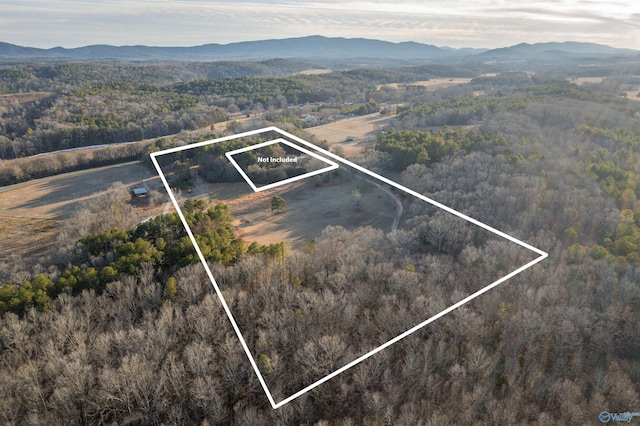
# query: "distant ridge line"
[[311, 47]]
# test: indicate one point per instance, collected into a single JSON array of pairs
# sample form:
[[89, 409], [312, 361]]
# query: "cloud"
[[485, 23], [569, 16]]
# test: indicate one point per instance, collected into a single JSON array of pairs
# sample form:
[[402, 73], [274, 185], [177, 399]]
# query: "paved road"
[[221, 125], [80, 148], [63, 176], [80, 172]]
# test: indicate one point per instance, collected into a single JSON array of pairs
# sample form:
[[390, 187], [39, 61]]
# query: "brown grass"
[[633, 93], [589, 80], [310, 208], [22, 235], [315, 71], [32, 214], [239, 117], [433, 84], [364, 128]]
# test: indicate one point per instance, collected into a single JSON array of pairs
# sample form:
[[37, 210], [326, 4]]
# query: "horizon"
[[310, 36], [489, 24]]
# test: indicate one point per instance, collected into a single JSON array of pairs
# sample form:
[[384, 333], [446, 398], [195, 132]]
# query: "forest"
[[122, 324], [73, 105]]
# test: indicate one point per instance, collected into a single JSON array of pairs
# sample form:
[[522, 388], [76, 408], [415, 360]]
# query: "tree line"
[[88, 104], [160, 242], [407, 147], [149, 350]]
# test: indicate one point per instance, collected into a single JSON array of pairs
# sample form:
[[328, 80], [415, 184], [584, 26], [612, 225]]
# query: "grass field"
[[316, 71], [31, 214], [222, 126], [633, 91], [587, 80], [310, 208], [633, 94], [364, 129], [433, 84]]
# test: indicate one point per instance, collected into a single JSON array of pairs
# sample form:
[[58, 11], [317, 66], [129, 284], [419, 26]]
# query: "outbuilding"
[[140, 192]]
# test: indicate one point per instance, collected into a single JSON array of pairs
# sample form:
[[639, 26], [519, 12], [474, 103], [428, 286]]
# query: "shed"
[[140, 192]]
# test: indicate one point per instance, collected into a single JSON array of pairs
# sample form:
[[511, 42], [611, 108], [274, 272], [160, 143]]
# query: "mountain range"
[[318, 48]]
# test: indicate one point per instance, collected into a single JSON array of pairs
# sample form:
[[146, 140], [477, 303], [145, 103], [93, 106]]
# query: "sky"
[[478, 23]]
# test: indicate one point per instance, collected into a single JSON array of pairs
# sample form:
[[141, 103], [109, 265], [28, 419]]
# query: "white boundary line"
[[543, 255], [230, 154]]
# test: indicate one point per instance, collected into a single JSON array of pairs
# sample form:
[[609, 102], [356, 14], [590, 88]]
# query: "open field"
[[222, 126], [433, 84], [363, 128], [630, 91], [24, 235], [310, 208], [634, 94], [633, 91], [32, 213], [315, 71], [586, 80]]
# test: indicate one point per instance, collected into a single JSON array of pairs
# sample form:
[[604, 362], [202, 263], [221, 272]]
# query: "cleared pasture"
[[32, 213], [312, 205], [316, 71], [586, 80], [432, 84], [364, 130]]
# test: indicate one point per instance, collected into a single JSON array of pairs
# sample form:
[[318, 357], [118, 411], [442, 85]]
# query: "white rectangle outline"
[[543, 255], [230, 155]]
